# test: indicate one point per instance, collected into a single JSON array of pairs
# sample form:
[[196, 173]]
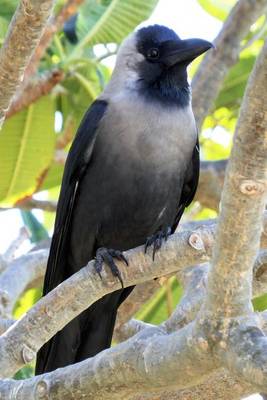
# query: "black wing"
[[189, 186], [78, 159]]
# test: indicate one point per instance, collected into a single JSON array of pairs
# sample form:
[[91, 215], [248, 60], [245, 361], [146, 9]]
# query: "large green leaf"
[[27, 143], [219, 8], [53, 177], [109, 21], [234, 86]]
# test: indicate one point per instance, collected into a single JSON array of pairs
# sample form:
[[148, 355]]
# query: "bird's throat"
[[172, 88]]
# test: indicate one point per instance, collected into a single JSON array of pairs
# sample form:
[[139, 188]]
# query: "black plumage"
[[131, 171]]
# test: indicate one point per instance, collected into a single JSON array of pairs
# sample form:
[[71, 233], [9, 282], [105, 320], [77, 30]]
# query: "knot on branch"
[[41, 390], [252, 188], [196, 242], [27, 354]]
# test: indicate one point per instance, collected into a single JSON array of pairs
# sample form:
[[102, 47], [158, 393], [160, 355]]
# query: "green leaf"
[[27, 143], [212, 150], [37, 230], [82, 86], [260, 303], [53, 177], [219, 8], [234, 86], [109, 21]]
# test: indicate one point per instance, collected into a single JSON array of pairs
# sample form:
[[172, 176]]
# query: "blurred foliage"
[[219, 8], [27, 143], [26, 301], [157, 309]]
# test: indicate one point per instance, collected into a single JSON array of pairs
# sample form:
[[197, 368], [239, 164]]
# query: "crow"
[[131, 171]]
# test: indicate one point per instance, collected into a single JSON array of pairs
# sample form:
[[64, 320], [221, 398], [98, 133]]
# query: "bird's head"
[[154, 60]]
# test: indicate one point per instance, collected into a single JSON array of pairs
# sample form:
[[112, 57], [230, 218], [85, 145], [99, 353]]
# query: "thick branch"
[[243, 201], [28, 270], [147, 361], [194, 281], [74, 295], [29, 18], [211, 183], [211, 74], [245, 351], [220, 385], [55, 24]]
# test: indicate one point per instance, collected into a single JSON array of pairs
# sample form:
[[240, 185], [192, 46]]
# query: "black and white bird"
[[131, 171]]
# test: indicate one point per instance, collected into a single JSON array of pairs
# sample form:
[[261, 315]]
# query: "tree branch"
[[17, 276], [194, 282], [15, 245], [220, 385], [210, 75], [29, 18], [30, 203], [55, 24], [147, 360], [35, 89], [211, 183], [243, 202], [82, 289]]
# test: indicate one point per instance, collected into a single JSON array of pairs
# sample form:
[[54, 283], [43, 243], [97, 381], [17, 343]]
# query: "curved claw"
[[157, 245], [119, 255], [149, 242], [107, 255], [167, 233], [156, 240]]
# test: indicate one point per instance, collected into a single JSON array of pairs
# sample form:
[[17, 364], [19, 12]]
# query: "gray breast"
[[147, 135]]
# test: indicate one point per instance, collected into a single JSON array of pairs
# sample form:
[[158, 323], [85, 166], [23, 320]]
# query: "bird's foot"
[[157, 239], [107, 255]]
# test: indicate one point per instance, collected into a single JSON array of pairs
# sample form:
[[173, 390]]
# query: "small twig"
[[34, 90], [31, 203]]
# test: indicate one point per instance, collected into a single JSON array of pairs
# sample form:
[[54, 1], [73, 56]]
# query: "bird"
[[132, 169]]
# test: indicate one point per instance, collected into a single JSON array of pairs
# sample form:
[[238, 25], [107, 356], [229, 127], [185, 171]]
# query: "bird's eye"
[[153, 53]]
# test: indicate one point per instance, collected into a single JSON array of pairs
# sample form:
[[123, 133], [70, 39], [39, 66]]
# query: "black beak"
[[180, 51]]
